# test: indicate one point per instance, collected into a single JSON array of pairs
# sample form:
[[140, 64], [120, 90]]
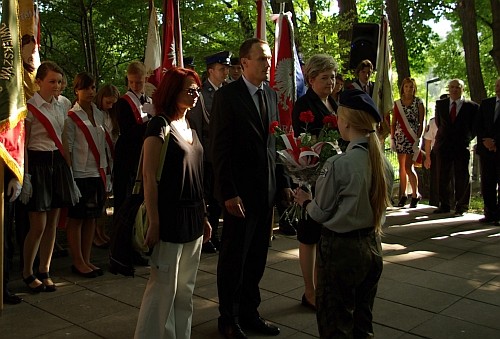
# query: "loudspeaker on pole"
[[364, 44]]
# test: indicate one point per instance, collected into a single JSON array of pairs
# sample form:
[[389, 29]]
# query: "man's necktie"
[[453, 111], [497, 111], [142, 99], [262, 107]]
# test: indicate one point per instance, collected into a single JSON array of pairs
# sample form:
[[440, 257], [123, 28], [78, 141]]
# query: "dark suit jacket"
[[243, 151], [371, 85], [485, 126], [310, 101], [454, 137]]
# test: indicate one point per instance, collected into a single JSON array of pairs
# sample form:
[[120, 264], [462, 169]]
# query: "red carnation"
[[330, 121], [306, 117], [272, 127]]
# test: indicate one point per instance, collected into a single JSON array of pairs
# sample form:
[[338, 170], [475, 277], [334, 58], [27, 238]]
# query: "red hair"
[[172, 83]]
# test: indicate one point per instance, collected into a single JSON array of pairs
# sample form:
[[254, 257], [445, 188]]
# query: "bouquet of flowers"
[[305, 155]]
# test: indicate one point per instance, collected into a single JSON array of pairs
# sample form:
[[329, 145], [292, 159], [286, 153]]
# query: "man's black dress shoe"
[[208, 247], [260, 325], [11, 299], [441, 210], [231, 331]]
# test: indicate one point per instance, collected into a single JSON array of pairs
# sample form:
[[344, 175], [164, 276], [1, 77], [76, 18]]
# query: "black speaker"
[[364, 44]]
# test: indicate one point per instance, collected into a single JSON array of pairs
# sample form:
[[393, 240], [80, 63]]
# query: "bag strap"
[[48, 126], [138, 177]]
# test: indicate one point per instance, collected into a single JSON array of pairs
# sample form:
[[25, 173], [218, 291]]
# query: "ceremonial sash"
[[90, 141], [109, 141], [48, 126], [408, 131], [136, 106]]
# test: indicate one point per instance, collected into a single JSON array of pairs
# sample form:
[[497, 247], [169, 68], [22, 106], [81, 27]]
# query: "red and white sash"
[[91, 142], [408, 131], [136, 106], [47, 123]]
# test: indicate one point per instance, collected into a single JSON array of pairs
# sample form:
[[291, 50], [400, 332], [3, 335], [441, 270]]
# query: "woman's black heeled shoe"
[[29, 280], [414, 202], [44, 276], [402, 201], [91, 274]]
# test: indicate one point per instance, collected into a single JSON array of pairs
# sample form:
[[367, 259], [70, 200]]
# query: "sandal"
[[29, 280], [43, 277]]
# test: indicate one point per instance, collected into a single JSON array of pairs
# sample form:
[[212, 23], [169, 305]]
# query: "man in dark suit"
[[199, 119], [363, 73], [246, 180], [455, 120], [488, 135]]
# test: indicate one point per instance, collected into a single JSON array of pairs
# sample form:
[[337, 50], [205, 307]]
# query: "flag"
[[172, 35], [12, 102], [29, 24], [152, 59], [286, 75], [382, 91], [260, 30]]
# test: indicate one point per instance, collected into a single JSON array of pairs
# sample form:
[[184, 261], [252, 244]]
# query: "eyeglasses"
[[193, 91]]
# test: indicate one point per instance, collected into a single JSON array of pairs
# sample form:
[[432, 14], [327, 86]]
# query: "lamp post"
[[430, 81]]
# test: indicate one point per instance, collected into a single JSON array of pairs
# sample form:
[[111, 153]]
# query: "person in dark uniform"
[[132, 120], [363, 73], [350, 203], [246, 181], [189, 63], [455, 120], [234, 70], [488, 135], [199, 119]]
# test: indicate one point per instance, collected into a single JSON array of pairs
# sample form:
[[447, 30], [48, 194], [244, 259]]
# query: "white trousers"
[[167, 305]]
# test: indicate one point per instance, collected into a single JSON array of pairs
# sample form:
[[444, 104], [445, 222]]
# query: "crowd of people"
[[220, 163]]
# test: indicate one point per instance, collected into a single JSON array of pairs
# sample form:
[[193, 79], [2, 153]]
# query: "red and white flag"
[[283, 68], [152, 59], [172, 35], [260, 30], [382, 91]]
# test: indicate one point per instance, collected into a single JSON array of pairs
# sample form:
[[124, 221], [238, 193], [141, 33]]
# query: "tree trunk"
[[348, 12], [467, 14], [495, 28], [398, 41]]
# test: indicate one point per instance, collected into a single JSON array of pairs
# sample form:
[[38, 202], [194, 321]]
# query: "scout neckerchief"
[[44, 120], [408, 131], [136, 106], [90, 141]]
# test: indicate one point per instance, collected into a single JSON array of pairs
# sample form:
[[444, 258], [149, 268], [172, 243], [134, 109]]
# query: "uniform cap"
[[221, 58], [188, 61], [359, 100], [235, 61]]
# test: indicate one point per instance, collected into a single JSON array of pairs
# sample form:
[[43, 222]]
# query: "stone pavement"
[[441, 279]]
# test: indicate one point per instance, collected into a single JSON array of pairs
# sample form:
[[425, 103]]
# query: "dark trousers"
[[349, 269], [213, 208], [458, 163], [490, 183], [242, 260], [8, 244]]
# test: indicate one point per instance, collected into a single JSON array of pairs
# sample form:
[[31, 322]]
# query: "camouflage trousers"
[[349, 268]]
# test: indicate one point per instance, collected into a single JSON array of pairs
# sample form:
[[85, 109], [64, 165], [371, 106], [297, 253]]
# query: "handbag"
[[141, 223]]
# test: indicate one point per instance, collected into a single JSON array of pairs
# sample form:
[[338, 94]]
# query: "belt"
[[362, 232]]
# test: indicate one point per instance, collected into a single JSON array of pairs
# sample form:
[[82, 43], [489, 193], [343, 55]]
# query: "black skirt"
[[91, 204], [51, 180]]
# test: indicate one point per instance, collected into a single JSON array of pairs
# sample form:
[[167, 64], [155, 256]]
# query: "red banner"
[[152, 59], [172, 46]]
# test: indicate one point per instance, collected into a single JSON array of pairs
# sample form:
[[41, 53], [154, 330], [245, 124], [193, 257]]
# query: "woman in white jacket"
[[84, 141]]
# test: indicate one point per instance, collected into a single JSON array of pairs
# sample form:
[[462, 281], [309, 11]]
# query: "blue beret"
[[223, 58], [359, 100]]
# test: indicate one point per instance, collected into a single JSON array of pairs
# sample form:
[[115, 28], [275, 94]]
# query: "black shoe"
[[44, 276], [116, 267], [307, 304], [441, 210], [99, 272], [91, 274], [208, 247], [231, 331], [37, 289], [402, 201], [260, 325], [11, 299], [139, 260], [287, 229], [414, 202], [459, 212], [486, 220]]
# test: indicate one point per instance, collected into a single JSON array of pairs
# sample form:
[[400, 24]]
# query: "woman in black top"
[[175, 209], [320, 72]]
